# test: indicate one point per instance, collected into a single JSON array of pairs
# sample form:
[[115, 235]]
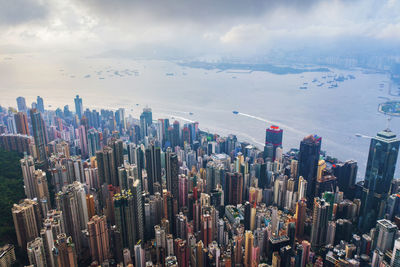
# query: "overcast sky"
[[203, 27]]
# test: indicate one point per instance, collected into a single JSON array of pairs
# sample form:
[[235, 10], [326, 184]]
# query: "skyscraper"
[[172, 171], [146, 119], [319, 223], [233, 188], [21, 123], [36, 253], [395, 261], [40, 104], [273, 136], [93, 138], [99, 240], [308, 162], [383, 152], [21, 104], [28, 169], [346, 174], [106, 166], [27, 221], [129, 217], [65, 251], [78, 106], [39, 134], [72, 202], [386, 234], [153, 166]]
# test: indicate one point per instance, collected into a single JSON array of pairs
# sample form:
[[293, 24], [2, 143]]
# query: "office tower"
[[153, 167], [172, 170], [300, 217], [39, 134], [302, 188], [330, 235], [21, 104], [146, 119], [383, 152], [320, 222], [72, 202], [28, 170], [294, 168], [93, 138], [65, 251], [233, 188], [78, 106], [36, 253], [98, 238], [308, 161], [40, 104], [386, 234], [395, 261], [129, 215], [27, 221], [175, 139], [248, 249], [118, 150], [273, 136], [83, 141], [120, 118], [21, 123], [106, 166], [7, 255], [346, 174], [139, 256]]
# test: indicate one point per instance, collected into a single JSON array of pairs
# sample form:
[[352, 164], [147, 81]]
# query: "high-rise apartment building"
[[21, 123], [99, 240], [27, 221], [78, 106]]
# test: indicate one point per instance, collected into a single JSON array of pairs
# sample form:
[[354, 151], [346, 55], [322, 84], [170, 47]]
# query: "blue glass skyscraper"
[[381, 165]]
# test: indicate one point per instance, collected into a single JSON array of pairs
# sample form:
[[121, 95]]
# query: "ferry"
[[235, 112]]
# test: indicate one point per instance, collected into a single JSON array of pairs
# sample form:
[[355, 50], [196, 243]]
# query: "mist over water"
[[262, 98]]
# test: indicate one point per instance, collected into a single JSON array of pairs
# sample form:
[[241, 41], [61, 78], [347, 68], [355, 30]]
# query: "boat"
[[320, 84], [303, 87], [169, 74], [235, 112], [315, 80], [190, 113]]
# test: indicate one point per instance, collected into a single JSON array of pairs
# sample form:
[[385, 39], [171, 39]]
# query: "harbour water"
[[210, 95]]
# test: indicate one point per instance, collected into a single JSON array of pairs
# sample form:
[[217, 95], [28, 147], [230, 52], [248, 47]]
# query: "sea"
[[300, 103]]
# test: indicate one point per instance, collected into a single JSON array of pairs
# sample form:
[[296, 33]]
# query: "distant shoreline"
[[280, 70]]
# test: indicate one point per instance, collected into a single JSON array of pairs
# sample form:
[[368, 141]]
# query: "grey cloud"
[[15, 12], [195, 11]]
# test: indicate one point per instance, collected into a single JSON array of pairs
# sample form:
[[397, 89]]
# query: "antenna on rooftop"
[[389, 118]]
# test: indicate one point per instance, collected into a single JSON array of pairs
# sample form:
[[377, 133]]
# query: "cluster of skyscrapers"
[[106, 189]]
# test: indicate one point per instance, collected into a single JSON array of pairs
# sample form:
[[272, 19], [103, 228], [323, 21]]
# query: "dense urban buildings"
[[106, 189]]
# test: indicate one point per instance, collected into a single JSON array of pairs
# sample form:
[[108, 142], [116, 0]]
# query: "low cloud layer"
[[196, 28]]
